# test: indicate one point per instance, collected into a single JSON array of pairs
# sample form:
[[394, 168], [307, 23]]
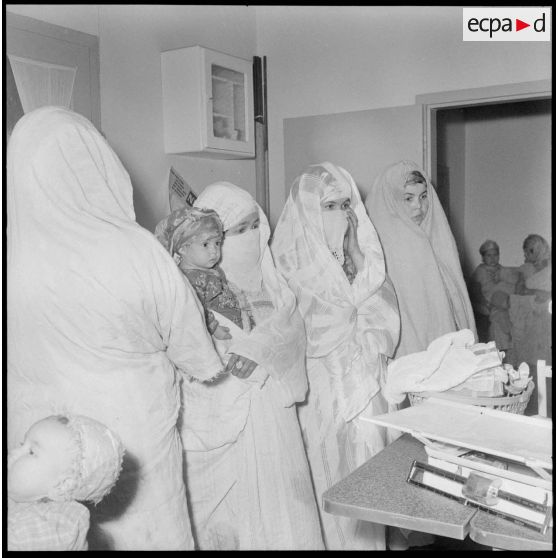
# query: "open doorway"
[[493, 175]]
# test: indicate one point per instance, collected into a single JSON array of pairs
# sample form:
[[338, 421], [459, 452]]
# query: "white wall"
[[320, 60], [511, 155], [131, 40], [328, 59], [80, 17]]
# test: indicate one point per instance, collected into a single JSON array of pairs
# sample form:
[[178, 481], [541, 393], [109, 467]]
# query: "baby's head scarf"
[[97, 464], [184, 224]]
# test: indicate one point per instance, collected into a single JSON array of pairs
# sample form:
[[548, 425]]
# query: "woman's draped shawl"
[[532, 320], [348, 326], [422, 261], [215, 414], [98, 313]]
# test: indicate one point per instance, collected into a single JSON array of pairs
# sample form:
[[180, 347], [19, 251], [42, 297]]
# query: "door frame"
[[432, 102], [91, 42]]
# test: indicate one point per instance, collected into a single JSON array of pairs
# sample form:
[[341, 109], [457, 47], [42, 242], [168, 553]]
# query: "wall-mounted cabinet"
[[208, 105]]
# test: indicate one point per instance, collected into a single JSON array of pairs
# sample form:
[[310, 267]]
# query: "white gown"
[[99, 322]]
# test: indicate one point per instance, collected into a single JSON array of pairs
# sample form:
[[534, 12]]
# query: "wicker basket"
[[510, 403]]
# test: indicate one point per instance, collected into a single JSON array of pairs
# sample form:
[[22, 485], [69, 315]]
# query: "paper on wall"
[[180, 193]]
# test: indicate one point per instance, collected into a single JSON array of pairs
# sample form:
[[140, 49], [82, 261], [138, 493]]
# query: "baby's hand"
[[222, 333]]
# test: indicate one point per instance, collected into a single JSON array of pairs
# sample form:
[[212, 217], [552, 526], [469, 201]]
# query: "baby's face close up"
[[203, 251], [44, 459]]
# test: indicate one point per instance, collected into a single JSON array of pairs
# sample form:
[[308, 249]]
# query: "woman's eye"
[[255, 226], [204, 244]]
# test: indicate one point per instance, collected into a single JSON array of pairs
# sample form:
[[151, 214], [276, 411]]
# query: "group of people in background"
[[512, 304], [233, 368]]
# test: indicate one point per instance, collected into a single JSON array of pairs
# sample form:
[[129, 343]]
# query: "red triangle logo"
[[519, 25]]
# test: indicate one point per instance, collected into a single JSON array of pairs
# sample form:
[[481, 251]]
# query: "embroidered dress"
[[213, 290], [247, 473], [100, 322], [351, 329], [47, 526]]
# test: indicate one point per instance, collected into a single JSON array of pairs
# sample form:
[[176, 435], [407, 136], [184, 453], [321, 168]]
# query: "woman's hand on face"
[[240, 366], [351, 240]]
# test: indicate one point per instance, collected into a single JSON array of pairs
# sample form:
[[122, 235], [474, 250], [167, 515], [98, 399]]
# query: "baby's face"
[[491, 257], [41, 462], [203, 250]]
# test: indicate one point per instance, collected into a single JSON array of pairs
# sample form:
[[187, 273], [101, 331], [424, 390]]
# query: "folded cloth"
[[447, 362]]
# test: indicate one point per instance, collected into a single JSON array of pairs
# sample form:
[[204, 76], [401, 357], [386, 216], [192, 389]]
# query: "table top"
[[493, 531], [378, 491]]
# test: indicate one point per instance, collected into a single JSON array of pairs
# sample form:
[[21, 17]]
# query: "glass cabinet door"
[[230, 106], [229, 112]]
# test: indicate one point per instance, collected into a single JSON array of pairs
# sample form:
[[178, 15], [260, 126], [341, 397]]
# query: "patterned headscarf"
[[488, 245], [342, 319], [299, 243], [97, 464], [184, 224]]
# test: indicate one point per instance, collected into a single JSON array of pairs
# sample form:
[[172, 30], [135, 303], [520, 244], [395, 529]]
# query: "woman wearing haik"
[[491, 285], [328, 251], [530, 308], [247, 474], [421, 257], [100, 322]]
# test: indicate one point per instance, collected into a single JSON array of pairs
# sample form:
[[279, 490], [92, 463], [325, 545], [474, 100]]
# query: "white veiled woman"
[[247, 473], [99, 322], [327, 249], [421, 257]]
